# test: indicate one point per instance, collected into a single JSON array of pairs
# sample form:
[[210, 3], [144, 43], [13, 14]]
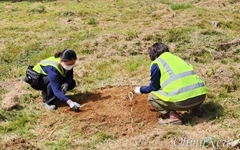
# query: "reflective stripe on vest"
[[51, 61], [173, 76], [180, 84], [182, 90]]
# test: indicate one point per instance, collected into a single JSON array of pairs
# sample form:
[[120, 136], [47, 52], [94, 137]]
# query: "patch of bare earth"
[[107, 110], [14, 89], [133, 124], [18, 144]]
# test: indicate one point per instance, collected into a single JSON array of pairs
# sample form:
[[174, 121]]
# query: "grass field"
[[111, 38]]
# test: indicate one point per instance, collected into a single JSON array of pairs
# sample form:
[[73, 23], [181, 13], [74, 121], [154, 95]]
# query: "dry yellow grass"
[[111, 39]]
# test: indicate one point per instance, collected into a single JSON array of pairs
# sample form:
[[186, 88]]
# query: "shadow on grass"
[[83, 98], [211, 111]]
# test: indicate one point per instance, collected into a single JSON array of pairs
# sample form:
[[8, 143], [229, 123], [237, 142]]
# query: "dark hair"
[[156, 50], [66, 55]]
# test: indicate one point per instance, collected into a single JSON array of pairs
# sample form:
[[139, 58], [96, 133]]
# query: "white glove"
[[137, 90], [64, 87], [74, 106]]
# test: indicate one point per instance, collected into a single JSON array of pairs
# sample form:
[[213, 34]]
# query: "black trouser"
[[45, 86]]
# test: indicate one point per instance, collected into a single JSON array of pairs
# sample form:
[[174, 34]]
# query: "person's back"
[[174, 86], [178, 80]]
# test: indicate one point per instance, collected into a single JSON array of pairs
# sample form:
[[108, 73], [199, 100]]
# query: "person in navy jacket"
[[56, 78]]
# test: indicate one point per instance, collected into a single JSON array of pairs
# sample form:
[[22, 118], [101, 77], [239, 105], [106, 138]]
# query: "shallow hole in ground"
[[110, 109]]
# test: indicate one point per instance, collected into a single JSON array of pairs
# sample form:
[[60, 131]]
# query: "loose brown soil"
[[111, 110], [18, 144], [108, 110]]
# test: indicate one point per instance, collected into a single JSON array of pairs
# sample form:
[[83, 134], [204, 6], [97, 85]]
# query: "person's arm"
[[69, 76], [155, 80], [55, 81]]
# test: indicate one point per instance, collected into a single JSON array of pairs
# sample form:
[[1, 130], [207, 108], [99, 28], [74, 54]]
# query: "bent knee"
[[152, 97]]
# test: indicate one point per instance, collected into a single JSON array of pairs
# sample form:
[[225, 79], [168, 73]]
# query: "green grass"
[[16, 121], [176, 6], [181, 6], [112, 41], [63, 26], [99, 138], [20, 120]]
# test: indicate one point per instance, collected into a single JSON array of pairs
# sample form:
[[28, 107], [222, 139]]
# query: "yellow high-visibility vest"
[[178, 81], [51, 61]]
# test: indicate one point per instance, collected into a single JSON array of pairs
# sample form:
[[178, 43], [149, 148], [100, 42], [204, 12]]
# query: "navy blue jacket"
[[155, 80], [56, 80]]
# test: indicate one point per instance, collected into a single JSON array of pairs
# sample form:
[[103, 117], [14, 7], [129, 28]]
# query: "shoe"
[[173, 118], [197, 112], [49, 107]]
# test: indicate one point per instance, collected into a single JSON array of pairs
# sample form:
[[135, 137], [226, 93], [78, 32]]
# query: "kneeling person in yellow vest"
[[174, 86], [54, 77]]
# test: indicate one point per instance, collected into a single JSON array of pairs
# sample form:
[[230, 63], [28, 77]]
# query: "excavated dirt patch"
[[18, 143], [107, 110]]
